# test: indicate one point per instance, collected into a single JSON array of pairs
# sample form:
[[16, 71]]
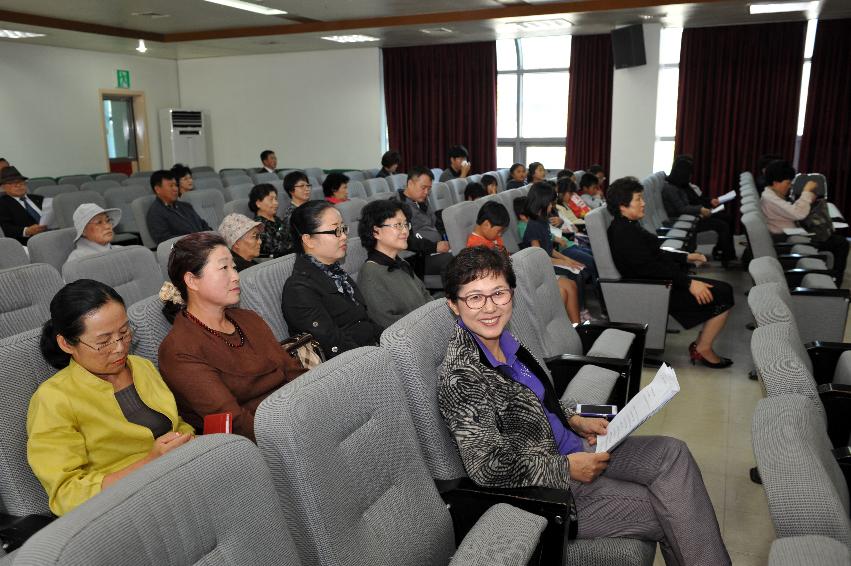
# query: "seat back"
[[375, 186], [211, 183], [140, 208], [369, 499], [807, 493], [74, 180], [316, 192], [356, 189], [264, 177], [150, 327], [597, 224], [52, 247], [350, 210], [26, 296], [22, 370], [141, 175], [766, 269], [50, 191], [239, 206], [181, 510], [132, 271], [99, 186], [381, 196], [315, 172], [355, 257], [123, 197], [759, 237], [12, 253], [37, 182], [511, 237], [208, 204], [65, 204], [236, 179], [236, 192], [459, 220], [163, 253], [768, 305], [137, 181], [117, 177], [440, 196], [262, 286], [397, 181], [456, 189]]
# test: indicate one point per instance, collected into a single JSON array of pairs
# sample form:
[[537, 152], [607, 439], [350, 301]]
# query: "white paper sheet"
[[674, 250], [718, 208], [840, 225], [727, 197], [47, 212], [797, 232], [644, 405]]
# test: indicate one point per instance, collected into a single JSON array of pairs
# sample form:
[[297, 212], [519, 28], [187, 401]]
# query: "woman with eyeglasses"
[[388, 283], [105, 413], [320, 297], [512, 430], [297, 186]]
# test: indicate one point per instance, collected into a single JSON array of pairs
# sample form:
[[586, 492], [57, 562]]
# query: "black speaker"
[[628, 47]]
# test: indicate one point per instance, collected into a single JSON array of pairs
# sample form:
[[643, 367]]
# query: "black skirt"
[[688, 312]]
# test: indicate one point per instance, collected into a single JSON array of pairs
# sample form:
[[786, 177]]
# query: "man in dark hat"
[[20, 213]]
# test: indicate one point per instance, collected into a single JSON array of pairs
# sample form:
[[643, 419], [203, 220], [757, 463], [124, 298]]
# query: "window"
[[805, 84], [532, 90], [666, 98]]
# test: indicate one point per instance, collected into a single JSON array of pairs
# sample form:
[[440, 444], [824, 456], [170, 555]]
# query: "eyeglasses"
[[306, 186], [399, 226], [100, 347], [477, 301], [338, 231]]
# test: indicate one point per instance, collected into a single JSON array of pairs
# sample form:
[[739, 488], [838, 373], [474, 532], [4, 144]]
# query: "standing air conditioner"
[[183, 135]]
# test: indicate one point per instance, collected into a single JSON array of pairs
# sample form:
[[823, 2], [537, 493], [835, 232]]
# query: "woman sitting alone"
[[105, 413], [95, 230]]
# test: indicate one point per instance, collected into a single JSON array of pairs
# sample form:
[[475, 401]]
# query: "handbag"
[[304, 354]]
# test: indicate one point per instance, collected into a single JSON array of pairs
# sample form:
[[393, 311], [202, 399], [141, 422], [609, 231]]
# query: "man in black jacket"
[[20, 213], [169, 217]]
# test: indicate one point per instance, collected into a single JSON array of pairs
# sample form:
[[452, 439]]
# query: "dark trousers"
[[838, 246], [720, 224]]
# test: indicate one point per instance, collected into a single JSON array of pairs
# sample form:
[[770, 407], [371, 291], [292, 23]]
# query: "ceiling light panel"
[[541, 25], [780, 7], [248, 6], [350, 38], [12, 34]]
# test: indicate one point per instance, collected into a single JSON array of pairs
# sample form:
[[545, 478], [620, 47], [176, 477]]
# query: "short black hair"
[[494, 212], [620, 194], [541, 195], [292, 179], [157, 178], [475, 263], [305, 220], [514, 167], [375, 214], [519, 205], [4, 159], [473, 191], [418, 171], [264, 155], [566, 185], [764, 160], [391, 158], [530, 170], [778, 171], [179, 170], [594, 169], [588, 180], [259, 192], [488, 180], [458, 151], [332, 183], [564, 173]]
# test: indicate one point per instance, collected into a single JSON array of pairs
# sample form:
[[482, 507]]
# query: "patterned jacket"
[[499, 425]]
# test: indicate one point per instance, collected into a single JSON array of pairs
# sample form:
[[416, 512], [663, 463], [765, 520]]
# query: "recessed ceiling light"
[[248, 6], [536, 25], [12, 34], [350, 38], [437, 31], [142, 48], [152, 15], [779, 7]]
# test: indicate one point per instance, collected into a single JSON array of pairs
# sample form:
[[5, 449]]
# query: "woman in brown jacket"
[[215, 359]]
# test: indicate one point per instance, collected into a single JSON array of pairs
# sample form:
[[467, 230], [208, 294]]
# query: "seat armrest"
[[666, 282], [565, 367], [812, 292], [503, 536], [789, 261], [467, 502], [825, 356], [795, 276], [836, 398], [843, 458], [16, 530], [590, 331]]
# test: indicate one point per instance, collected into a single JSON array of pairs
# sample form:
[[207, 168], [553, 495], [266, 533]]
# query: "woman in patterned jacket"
[[512, 431]]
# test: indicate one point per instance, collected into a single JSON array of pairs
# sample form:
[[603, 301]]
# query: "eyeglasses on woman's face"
[[338, 231], [398, 226], [476, 301], [303, 186], [108, 345]]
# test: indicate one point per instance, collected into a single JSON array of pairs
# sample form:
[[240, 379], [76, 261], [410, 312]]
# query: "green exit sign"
[[123, 78]]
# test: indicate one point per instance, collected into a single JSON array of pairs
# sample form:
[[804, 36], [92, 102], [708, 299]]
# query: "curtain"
[[826, 144], [439, 96], [738, 98], [589, 107]]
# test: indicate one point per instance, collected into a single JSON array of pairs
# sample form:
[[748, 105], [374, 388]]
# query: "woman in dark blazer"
[[320, 297], [637, 255]]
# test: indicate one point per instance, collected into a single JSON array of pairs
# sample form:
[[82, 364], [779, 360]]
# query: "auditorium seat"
[[370, 173], [354, 176], [203, 169], [381, 196], [122, 198], [12, 253], [440, 196], [209, 183], [761, 244], [141, 175], [456, 189], [628, 300], [264, 177], [350, 476], [315, 172], [34, 183], [283, 202], [50, 191], [117, 177], [459, 221], [198, 174], [208, 204], [355, 257], [100, 186], [475, 179], [236, 179], [808, 550], [500, 181], [806, 491], [211, 501], [27, 292], [65, 204], [375, 186], [74, 180], [511, 237], [284, 172], [52, 247], [236, 192], [262, 286], [132, 271], [356, 189], [150, 327], [397, 181], [350, 210], [137, 181], [239, 206]]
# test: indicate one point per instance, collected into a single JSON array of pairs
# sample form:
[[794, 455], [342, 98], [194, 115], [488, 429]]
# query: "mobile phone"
[[218, 423], [599, 411]]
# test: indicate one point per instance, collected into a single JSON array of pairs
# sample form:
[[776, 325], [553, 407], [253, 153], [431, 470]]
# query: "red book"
[[218, 423]]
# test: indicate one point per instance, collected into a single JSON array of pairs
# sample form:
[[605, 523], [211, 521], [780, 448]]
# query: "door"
[[120, 125]]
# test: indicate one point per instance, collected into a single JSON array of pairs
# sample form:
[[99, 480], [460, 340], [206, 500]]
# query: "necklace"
[[221, 335]]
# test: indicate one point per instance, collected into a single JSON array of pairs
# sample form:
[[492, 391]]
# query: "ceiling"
[[196, 28]]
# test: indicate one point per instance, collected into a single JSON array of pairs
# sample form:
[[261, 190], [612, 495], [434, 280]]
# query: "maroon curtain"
[[439, 96], [738, 98], [589, 106], [826, 144]]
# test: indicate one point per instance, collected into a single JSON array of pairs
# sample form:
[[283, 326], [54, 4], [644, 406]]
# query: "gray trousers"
[[653, 490]]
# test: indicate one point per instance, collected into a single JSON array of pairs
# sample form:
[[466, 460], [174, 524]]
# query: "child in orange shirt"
[[491, 223]]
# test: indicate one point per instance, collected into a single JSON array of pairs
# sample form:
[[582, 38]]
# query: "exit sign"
[[123, 78]]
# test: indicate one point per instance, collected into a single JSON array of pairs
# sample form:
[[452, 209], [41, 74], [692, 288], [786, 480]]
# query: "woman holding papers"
[[512, 431], [636, 253], [681, 197]]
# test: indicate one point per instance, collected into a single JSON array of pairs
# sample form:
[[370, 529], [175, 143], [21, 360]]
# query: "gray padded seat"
[[456, 189], [374, 186], [355, 175], [236, 179], [50, 191], [316, 192], [132, 271], [22, 370], [236, 192], [315, 173], [117, 177], [25, 301], [150, 327], [370, 173], [65, 204], [436, 172], [355, 257], [350, 210], [262, 286], [208, 502], [369, 498], [417, 344], [459, 220], [356, 189], [762, 244], [164, 251], [239, 206], [99, 187], [381, 196], [141, 174], [12, 253], [440, 196], [35, 183], [204, 174], [122, 198], [208, 204], [137, 181], [140, 207], [52, 247], [209, 183], [807, 493], [808, 550], [397, 181], [74, 180], [264, 177]]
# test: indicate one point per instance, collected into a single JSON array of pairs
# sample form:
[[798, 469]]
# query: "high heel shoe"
[[696, 356]]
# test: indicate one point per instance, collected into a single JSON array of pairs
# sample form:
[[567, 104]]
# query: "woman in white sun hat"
[[94, 227], [242, 235]]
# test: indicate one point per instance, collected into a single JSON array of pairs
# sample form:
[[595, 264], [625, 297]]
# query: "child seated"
[[491, 224], [591, 191], [570, 200], [520, 212], [490, 184]]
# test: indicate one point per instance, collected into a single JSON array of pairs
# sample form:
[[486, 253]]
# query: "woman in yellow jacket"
[[106, 413]]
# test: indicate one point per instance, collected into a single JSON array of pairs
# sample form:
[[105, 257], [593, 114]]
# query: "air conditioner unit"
[[183, 135]]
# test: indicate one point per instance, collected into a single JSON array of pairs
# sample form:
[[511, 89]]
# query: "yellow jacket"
[[77, 433]]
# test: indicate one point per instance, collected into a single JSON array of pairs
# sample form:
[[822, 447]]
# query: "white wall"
[[50, 122], [634, 112], [314, 109]]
